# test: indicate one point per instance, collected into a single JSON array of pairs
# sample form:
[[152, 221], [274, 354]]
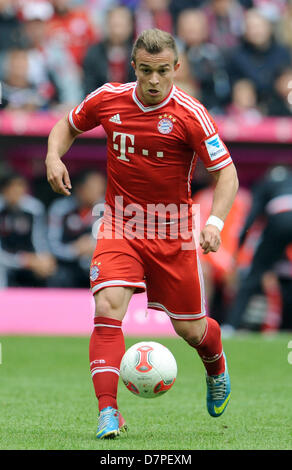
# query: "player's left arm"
[[224, 194]]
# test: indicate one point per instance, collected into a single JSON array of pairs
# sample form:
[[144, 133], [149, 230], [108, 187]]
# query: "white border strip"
[[152, 108], [195, 112], [209, 361], [99, 370], [220, 165], [109, 326], [72, 122], [117, 283], [199, 108], [192, 316]]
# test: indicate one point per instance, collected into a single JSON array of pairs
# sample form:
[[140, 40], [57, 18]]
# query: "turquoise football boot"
[[218, 392], [108, 424]]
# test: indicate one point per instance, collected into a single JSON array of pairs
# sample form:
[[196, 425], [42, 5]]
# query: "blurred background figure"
[[207, 63], [280, 101], [71, 229], [177, 6], [153, 14], [72, 28], [272, 197], [284, 25], [225, 21], [183, 77], [244, 102], [260, 56], [50, 60], [19, 90], [24, 255], [273, 10], [10, 26], [220, 271], [109, 60]]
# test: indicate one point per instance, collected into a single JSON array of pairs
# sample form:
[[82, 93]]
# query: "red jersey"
[[152, 150]]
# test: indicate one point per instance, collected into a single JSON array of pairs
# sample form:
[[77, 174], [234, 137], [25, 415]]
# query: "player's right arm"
[[60, 140], [82, 118]]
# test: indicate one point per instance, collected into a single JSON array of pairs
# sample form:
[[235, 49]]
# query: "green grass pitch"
[[47, 398]]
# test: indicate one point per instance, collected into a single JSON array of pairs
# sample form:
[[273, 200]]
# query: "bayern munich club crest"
[[94, 272], [165, 124]]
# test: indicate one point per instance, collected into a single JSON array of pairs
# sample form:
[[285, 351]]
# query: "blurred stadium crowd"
[[236, 57], [248, 282], [235, 54]]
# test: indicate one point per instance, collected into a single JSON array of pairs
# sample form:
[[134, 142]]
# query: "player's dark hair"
[[154, 41]]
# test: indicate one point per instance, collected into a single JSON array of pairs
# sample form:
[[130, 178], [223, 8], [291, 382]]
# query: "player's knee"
[[193, 338], [103, 308], [192, 332], [110, 303]]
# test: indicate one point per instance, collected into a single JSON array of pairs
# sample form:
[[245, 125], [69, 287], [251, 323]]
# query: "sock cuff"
[[109, 322], [204, 335]]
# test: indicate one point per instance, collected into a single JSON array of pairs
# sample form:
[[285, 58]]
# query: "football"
[[148, 369]]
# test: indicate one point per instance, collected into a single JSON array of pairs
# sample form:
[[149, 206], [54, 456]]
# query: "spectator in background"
[[225, 21], [109, 60], [183, 77], [259, 57], [50, 65], [177, 6], [10, 27], [279, 102], [97, 9], [153, 14], [19, 92], [71, 229], [72, 28], [284, 26], [283, 271], [272, 197], [24, 254], [207, 63], [272, 10], [244, 104]]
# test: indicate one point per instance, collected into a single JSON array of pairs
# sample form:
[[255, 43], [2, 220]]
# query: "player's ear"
[[133, 65], [177, 66]]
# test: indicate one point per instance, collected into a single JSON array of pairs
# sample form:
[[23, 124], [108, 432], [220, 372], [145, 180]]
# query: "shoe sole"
[[124, 428], [109, 435]]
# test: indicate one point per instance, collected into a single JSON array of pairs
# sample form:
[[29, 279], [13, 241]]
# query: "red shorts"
[[172, 276]]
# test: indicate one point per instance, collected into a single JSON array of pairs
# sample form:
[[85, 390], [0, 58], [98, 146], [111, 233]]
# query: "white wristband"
[[213, 220]]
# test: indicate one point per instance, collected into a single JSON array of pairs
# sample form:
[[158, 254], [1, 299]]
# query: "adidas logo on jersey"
[[116, 118]]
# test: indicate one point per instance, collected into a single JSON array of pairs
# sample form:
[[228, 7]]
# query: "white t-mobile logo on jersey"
[[122, 146]]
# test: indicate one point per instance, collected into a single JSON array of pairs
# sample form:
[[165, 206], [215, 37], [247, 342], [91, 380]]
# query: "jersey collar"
[[147, 109]]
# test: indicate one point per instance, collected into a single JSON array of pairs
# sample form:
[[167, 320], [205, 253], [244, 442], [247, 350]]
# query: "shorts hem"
[[140, 286], [176, 316]]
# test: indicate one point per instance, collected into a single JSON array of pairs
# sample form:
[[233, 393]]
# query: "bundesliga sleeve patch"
[[215, 147]]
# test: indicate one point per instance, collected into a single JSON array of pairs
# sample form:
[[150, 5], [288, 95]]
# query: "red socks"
[[106, 349], [210, 348]]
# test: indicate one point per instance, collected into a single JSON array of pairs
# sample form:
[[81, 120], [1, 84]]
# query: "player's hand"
[[85, 245], [58, 176], [42, 264], [210, 239]]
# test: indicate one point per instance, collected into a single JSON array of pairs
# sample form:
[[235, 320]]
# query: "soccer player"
[[156, 133]]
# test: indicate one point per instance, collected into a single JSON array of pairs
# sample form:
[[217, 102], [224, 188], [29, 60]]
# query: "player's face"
[[155, 75]]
